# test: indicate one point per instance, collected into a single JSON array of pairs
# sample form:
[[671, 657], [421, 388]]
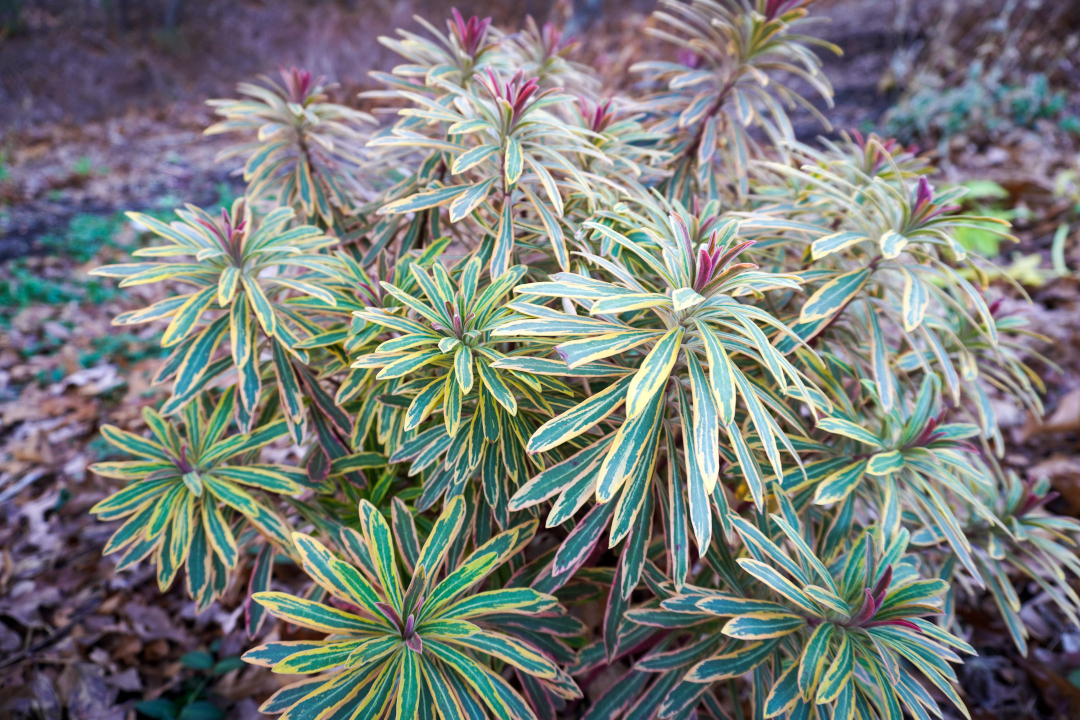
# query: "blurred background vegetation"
[[949, 66], [101, 100]]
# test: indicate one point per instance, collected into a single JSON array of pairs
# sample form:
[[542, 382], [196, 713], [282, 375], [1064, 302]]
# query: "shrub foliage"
[[577, 380]]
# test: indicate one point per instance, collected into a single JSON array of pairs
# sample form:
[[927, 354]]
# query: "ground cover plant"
[[980, 74], [546, 350]]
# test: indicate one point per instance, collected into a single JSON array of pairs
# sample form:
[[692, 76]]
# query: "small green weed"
[[22, 287], [984, 105], [25, 288], [125, 347], [987, 199], [84, 236], [191, 702], [84, 168]]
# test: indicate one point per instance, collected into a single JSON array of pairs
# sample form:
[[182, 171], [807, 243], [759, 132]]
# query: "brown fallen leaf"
[[1061, 695], [88, 695], [1065, 418]]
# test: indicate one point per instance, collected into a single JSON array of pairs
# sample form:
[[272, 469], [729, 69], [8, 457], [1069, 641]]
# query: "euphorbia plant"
[[760, 372], [185, 495], [380, 635], [304, 147]]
